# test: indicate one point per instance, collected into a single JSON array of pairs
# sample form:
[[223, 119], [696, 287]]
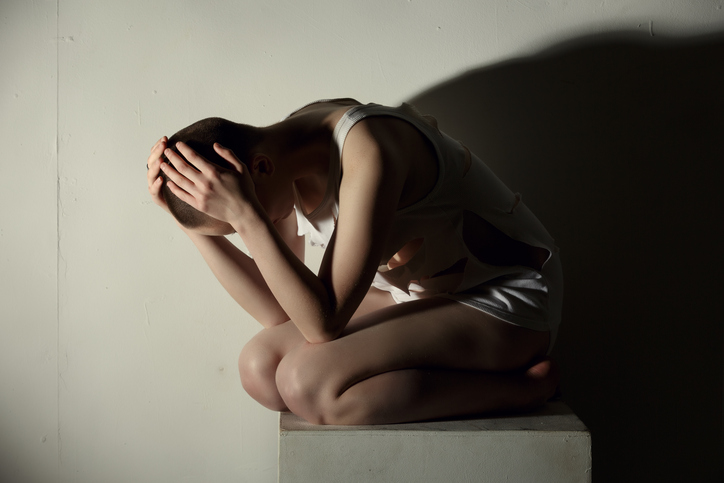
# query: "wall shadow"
[[617, 144]]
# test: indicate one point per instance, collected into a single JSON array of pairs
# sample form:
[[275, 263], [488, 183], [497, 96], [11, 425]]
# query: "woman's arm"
[[320, 306], [236, 271], [240, 276]]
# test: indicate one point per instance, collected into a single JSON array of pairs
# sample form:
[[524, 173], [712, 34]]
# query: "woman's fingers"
[[183, 175], [157, 195], [155, 187], [201, 184], [153, 165], [163, 140], [181, 194], [193, 157], [229, 155], [156, 150], [154, 161]]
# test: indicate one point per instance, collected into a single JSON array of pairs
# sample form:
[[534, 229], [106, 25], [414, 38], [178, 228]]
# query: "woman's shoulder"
[[325, 104], [394, 146]]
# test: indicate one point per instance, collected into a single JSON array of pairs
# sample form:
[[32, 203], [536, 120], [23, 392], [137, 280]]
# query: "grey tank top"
[[440, 252]]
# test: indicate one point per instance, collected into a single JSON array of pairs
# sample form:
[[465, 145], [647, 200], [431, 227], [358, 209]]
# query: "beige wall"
[[117, 348]]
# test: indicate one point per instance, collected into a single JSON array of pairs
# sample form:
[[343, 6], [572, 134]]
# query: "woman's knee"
[[257, 369], [311, 380], [306, 384]]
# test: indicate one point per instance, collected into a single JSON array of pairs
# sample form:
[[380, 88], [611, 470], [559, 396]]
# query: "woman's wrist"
[[249, 220], [249, 223]]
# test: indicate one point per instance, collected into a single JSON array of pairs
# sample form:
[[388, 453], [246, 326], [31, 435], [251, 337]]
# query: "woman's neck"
[[301, 145], [301, 149]]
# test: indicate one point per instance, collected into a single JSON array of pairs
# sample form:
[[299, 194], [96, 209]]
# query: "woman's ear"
[[261, 166]]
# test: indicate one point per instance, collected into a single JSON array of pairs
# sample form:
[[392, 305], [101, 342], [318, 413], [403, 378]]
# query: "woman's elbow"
[[323, 334]]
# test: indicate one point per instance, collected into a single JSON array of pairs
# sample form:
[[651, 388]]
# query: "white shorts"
[[526, 297]]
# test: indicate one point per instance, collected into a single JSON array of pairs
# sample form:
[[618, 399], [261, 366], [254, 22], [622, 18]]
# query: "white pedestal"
[[549, 445]]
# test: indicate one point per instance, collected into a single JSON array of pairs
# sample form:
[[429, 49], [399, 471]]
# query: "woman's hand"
[[153, 174], [225, 194]]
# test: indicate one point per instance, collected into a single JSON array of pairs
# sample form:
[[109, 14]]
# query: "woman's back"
[[451, 232]]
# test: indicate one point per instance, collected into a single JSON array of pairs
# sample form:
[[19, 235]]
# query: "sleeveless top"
[[443, 262]]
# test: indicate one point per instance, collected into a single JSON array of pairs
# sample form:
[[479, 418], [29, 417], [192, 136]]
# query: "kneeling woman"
[[439, 293]]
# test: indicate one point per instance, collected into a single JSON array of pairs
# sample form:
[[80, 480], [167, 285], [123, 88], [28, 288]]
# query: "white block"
[[549, 445]]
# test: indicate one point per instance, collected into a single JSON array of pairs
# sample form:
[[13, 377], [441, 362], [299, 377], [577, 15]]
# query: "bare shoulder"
[[369, 162], [393, 147], [328, 111]]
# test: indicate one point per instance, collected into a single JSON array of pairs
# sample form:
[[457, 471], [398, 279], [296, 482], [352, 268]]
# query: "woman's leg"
[[260, 357], [434, 394], [423, 394], [419, 360], [259, 360]]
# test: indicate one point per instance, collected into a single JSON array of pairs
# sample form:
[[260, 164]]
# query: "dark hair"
[[201, 136]]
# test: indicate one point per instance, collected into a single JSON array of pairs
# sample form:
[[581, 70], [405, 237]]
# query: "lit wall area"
[[118, 348]]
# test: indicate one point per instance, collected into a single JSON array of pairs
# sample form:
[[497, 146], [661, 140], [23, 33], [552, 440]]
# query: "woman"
[[439, 292]]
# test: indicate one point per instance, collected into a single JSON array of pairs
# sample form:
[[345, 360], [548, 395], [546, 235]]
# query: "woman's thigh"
[[435, 333], [431, 333], [280, 368]]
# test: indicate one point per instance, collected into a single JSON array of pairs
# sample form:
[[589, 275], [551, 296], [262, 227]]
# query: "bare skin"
[[333, 350], [414, 361]]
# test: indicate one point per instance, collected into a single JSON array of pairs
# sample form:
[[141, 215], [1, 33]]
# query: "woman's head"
[[201, 136]]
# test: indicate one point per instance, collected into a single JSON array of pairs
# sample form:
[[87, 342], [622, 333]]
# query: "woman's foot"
[[542, 378]]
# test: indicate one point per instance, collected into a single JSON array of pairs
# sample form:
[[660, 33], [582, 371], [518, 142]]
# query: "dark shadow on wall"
[[618, 145]]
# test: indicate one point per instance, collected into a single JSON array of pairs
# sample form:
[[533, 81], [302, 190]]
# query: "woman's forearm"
[[310, 304], [240, 277]]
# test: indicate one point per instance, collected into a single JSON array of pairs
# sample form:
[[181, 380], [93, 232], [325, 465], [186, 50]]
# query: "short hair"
[[201, 136]]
